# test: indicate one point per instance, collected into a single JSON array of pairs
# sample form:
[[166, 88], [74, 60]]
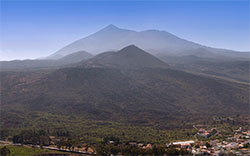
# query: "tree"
[[172, 151], [208, 145], [114, 150], [17, 139], [102, 149], [59, 145], [158, 150], [4, 151]]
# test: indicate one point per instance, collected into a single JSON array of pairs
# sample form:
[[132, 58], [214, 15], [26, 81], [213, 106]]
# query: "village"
[[237, 143]]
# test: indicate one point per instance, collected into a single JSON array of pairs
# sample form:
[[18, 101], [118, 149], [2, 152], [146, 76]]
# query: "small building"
[[140, 144], [149, 146], [132, 143], [111, 142], [207, 134], [184, 144]]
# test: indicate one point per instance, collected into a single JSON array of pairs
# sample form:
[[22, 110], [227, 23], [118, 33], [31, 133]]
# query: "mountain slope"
[[44, 63], [112, 38], [141, 96], [76, 57], [228, 68], [130, 57]]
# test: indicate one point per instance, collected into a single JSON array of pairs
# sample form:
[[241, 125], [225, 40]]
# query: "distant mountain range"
[[112, 38], [198, 61]]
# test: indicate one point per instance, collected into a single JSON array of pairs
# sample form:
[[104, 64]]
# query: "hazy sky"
[[31, 29]]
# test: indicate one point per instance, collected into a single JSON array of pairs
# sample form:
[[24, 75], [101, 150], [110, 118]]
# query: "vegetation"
[[90, 131], [4, 151], [26, 151], [32, 137], [236, 69], [132, 103], [106, 149], [146, 105]]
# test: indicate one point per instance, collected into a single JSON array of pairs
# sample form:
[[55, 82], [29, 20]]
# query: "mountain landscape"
[[124, 83], [124, 78], [130, 57], [112, 38], [179, 53], [129, 86]]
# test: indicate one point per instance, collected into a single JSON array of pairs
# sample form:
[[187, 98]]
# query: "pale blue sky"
[[31, 29]]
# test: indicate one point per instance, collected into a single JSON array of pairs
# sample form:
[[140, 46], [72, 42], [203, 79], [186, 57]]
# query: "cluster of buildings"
[[219, 148], [235, 144], [206, 133]]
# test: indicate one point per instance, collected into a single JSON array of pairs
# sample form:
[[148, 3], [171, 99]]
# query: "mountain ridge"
[[112, 38], [45, 63], [130, 57]]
